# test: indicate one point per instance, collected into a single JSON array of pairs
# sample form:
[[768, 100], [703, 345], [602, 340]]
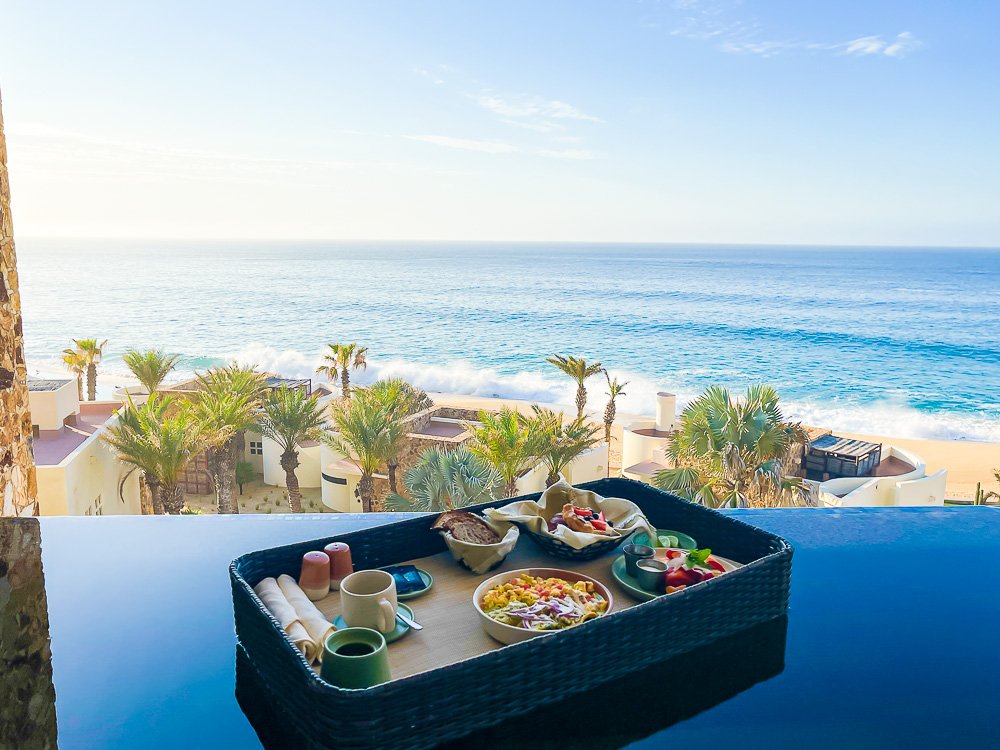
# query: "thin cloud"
[[60, 155], [539, 126], [523, 106], [431, 75], [904, 43], [466, 144], [577, 154], [718, 22]]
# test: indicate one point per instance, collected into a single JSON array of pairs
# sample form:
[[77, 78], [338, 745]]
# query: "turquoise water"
[[891, 341]]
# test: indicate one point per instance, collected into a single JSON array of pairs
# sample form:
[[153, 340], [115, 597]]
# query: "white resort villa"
[[78, 474]]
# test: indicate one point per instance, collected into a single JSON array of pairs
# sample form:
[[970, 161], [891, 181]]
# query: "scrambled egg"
[[529, 589]]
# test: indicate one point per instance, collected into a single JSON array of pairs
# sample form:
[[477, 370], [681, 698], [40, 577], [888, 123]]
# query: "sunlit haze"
[[686, 121]]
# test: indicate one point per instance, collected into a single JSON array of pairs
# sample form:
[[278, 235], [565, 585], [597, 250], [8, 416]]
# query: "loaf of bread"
[[466, 527]]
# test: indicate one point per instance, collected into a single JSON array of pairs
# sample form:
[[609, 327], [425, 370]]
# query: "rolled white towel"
[[270, 593], [318, 627]]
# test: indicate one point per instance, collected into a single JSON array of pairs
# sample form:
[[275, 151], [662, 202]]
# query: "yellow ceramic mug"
[[368, 600]]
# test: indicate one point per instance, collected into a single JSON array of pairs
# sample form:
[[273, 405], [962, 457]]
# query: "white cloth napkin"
[[316, 625], [270, 593], [480, 558], [624, 514]]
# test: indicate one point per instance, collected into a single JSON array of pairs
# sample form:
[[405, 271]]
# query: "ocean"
[[902, 342]]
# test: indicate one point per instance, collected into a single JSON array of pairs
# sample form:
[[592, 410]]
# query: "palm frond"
[[149, 367], [505, 442], [289, 416]]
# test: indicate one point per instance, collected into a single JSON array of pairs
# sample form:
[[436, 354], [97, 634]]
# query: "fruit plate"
[[508, 634], [631, 585]]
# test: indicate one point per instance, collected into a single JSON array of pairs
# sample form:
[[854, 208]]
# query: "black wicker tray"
[[426, 709]]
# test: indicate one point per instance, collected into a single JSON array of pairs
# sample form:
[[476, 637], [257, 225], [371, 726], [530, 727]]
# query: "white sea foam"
[[888, 417], [891, 416]]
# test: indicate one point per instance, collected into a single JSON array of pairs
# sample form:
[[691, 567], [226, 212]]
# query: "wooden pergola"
[[831, 457]]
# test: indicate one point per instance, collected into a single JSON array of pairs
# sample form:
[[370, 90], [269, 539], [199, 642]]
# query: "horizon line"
[[377, 240]]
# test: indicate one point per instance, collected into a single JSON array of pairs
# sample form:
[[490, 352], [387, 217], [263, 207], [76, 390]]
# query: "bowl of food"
[[572, 523], [477, 544], [522, 604]]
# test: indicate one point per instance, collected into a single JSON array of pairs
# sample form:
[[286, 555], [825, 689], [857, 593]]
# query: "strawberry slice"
[[682, 577]]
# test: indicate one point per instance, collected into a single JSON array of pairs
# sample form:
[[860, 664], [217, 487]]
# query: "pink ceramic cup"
[[314, 580], [340, 563]]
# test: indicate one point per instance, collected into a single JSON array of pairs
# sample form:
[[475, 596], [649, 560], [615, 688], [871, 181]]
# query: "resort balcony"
[[871, 474], [140, 616]]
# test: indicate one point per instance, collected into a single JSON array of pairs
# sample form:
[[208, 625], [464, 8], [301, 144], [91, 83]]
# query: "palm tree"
[[407, 398], [76, 364], [341, 359], [579, 370], [368, 434], [564, 441], [132, 440], [229, 404], [507, 443], [160, 441], [91, 351], [149, 367], [402, 400], [615, 389], [445, 480], [290, 416], [734, 452]]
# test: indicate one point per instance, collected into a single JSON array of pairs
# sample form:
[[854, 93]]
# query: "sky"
[[716, 121]]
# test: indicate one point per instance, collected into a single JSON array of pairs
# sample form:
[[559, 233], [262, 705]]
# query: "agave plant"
[[734, 452], [91, 351], [160, 441], [615, 389], [508, 443], [563, 441], [76, 363], [290, 416], [579, 370], [984, 496], [368, 432], [445, 480], [340, 360], [229, 403], [149, 367]]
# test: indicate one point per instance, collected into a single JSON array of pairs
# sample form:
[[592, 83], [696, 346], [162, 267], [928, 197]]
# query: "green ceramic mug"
[[355, 658]]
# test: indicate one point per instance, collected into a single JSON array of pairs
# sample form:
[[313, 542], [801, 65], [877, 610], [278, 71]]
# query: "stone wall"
[[455, 412], [27, 695], [18, 485]]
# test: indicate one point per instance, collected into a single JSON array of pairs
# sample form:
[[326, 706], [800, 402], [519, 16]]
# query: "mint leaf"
[[697, 558]]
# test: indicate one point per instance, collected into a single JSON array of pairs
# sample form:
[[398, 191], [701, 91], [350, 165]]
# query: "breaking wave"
[[891, 416]]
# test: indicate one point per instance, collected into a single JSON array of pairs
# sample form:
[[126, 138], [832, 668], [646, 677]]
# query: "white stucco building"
[[644, 441], [78, 474], [899, 480]]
